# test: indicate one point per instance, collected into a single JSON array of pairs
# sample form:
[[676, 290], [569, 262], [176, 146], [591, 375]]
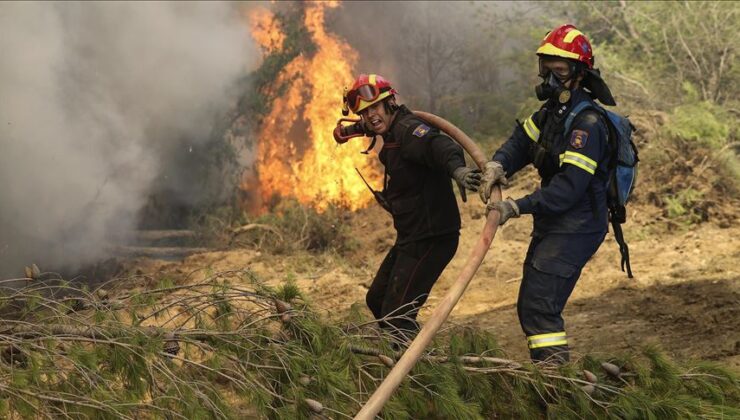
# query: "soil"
[[685, 297]]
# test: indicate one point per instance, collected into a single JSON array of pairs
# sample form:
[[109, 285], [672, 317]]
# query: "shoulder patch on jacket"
[[421, 130], [578, 139]]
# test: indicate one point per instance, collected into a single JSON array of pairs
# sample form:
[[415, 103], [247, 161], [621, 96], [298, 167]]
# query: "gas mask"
[[553, 81], [551, 88]]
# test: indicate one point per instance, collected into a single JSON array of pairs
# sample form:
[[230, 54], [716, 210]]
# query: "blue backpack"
[[622, 170]]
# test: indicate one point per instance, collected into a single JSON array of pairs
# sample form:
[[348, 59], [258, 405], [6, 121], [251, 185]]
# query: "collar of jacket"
[[402, 110], [560, 111]]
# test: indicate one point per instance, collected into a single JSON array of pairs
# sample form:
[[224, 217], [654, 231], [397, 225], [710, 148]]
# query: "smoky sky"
[[101, 103], [429, 49], [93, 99]]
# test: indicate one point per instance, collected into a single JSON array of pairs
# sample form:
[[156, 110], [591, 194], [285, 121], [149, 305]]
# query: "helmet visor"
[[367, 93], [561, 68]]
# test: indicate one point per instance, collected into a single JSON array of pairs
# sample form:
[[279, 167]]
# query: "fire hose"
[[414, 352]]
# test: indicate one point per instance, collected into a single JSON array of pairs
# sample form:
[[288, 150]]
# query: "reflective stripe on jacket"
[[573, 167]]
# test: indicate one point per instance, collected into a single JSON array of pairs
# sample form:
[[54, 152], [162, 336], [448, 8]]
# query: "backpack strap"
[[580, 107], [610, 130], [623, 248]]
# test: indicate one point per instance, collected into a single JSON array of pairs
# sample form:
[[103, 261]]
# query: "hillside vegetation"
[[272, 324]]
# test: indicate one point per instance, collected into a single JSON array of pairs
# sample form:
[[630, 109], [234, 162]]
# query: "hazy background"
[[112, 115], [474, 62], [95, 100]]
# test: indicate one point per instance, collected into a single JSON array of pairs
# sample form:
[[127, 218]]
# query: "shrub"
[[292, 226], [684, 205], [702, 122]]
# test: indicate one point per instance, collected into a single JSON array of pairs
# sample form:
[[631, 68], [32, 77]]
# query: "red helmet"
[[367, 90], [567, 42]]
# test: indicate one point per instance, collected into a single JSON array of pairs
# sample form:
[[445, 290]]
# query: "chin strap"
[[371, 146]]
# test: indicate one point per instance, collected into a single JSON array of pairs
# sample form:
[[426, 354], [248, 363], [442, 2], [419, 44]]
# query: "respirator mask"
[[551, 87], [553, 83]]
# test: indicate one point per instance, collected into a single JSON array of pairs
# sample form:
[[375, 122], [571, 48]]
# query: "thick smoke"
[[93, 99]]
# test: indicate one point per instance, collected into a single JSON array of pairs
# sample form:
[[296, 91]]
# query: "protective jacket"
[[573, 167], [419, 162], [570, 213]]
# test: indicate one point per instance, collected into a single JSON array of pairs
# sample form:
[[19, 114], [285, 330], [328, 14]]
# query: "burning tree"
[[296, 155]]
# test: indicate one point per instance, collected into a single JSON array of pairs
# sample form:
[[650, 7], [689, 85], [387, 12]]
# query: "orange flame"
[[265, 29], [296, 155]]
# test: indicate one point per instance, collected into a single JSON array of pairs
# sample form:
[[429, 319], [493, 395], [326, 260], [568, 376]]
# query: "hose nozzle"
[[343, 133]]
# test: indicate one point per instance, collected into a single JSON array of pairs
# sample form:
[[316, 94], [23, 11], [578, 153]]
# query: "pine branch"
[[258, 345]]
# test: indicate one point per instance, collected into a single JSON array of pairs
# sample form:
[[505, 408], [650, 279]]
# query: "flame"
[[296, 153], [265, 29]]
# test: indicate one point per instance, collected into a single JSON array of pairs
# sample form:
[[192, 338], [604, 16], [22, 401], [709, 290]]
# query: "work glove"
[[493, 174], [506, 209], [467, 179]]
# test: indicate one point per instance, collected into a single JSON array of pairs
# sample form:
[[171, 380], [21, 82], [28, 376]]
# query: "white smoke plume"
[[93, 96]]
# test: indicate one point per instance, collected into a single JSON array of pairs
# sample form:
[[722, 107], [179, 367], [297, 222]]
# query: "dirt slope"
[[685, 296]]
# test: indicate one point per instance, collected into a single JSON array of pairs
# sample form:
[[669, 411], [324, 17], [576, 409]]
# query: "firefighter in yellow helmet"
[[567, 141]]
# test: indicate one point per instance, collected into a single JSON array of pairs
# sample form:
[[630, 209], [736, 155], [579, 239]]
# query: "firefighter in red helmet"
[[567, 142], [419, 161]]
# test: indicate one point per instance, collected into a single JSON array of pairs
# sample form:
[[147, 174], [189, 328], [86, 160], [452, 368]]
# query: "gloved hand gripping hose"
[[373, 406]]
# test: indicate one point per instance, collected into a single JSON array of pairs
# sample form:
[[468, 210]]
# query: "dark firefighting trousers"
[[404, 280], [551, 270]]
